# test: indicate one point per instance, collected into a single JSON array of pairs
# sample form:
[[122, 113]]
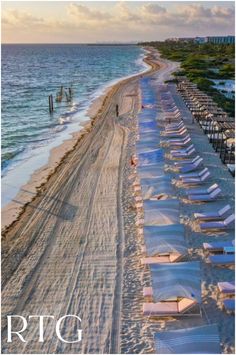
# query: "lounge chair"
[[177, 151], [193, 175], [174, 126], [217, 246], [196, 180], [167, 309], [186, 161], [200, 191], [227, 223], [178, 140], [191, 167], [222, 259], [229, 304], [177, 133], [184, 155], [203, 339], [180, 144], [227, 288], [213, 215], [205, 198]]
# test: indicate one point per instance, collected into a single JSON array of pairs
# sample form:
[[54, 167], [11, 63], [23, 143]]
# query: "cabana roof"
[[161, 212], [198, 340], [176, 280], [150, 157], [151, 171], [161, 187], [171, 240]]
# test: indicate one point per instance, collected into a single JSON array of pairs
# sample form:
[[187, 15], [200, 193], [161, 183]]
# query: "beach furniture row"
[[176, 284], [219, 127]]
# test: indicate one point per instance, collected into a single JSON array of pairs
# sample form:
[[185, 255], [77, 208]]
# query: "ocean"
[[30, 73]]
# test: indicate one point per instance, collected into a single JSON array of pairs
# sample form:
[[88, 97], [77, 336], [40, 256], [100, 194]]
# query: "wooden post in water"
[[61, 91], [70, 93], [50, 102]]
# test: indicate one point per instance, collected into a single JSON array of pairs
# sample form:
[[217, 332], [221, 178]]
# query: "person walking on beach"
[[117, 110]]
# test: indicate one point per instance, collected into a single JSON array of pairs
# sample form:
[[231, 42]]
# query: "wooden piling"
[[70, 93], [50, 102]]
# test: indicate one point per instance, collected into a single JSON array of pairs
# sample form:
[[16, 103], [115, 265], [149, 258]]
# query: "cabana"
[[198, 340], [150, 126], [151, 171], [164, 244], [176, 289], [156, 189], [150, 157], [161, 212]]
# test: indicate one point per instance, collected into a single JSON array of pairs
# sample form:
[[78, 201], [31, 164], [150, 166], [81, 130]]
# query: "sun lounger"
[[198, 340], [177, 151], [193, 175], [196, 180], [174, 126], [213, 215], [178, 140], [210, 197], [222, 259], [180, 144], [177, 133], [217, 246], [167, 309], [227, 287], [200, 191], [186, 161], [227, 223], [191, 167], [184, 155], [229, 304]]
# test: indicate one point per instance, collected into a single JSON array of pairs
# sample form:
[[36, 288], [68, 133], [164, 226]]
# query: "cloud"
[[85, 14], [124, 21], [16, 18]]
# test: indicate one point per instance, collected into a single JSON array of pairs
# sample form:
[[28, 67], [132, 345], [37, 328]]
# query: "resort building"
[[221, 39], [215, 39], [206, 39]]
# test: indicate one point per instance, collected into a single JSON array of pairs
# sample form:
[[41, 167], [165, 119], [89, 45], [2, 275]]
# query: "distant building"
[[200, 40], [207, 39], [221, 39], [183, 39]]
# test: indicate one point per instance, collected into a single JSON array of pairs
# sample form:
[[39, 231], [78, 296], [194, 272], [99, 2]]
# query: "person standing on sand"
[[117, 110]]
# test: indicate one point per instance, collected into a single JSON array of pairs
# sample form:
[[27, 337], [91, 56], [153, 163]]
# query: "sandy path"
[[64, 256]]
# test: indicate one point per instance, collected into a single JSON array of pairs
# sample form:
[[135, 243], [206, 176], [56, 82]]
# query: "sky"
[[113, 21]]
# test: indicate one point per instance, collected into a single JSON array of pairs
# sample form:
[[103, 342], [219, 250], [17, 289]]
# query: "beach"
[[74, 247], [64, 253]]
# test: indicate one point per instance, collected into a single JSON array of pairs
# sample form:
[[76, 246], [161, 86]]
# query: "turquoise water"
[[32, 72]]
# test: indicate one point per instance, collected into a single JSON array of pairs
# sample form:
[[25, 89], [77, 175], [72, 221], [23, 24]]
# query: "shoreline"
[[12, 211]]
